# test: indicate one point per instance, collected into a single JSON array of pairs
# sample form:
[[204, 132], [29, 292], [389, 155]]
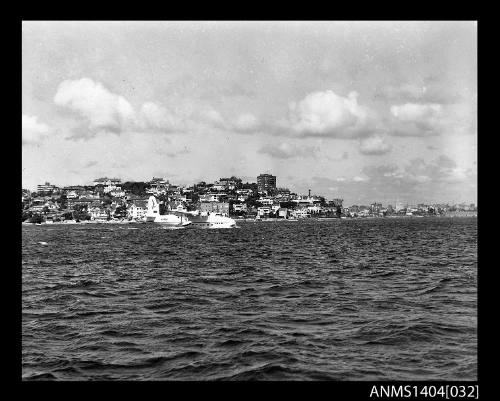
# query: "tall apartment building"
[[266, 182], [45, 189]]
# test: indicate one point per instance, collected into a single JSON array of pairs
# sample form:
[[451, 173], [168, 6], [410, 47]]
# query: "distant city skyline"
[[363, 111]]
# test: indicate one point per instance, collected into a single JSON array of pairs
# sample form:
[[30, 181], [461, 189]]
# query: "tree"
[[68, 216], [120, 212], [287, 205], [63, 202], [252, 201], [80, 208], [339, 211], [35, 219], [194, 197], [26, 215], [136, 188]]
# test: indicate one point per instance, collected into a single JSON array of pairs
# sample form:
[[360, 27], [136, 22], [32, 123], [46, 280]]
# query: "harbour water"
[[366, 299]]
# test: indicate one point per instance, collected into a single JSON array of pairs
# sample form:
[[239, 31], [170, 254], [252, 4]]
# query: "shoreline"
[[316, 219]]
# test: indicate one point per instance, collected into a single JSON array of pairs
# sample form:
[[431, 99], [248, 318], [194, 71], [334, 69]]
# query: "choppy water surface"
[[314, 300]]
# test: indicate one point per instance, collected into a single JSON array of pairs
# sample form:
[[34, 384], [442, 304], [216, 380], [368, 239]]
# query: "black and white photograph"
[[226, 200]]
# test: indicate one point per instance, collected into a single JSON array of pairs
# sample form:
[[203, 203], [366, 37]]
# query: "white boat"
[[170, 219], [209, 220]]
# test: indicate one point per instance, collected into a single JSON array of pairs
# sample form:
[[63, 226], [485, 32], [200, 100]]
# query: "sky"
[[364, 111]]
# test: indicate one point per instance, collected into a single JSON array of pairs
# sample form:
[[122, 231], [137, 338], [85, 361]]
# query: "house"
[[239, 207], [266, 201], [71, 195], [216, 207], [314, 209], [117, 193], [99, 213], [71, 203], [137, 210], [300, 213], [283, 213], [264, 211], [210, 197], [218, 186], [107, 181]]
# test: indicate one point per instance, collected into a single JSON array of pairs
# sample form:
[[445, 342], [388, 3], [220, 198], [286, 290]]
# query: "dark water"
[[330, 300]]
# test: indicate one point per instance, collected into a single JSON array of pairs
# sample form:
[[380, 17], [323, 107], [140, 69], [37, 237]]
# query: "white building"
[[137, 211], [300, 213], [266, 201], [117, 193], [240, 207], [107, 181], [209, 198], [264, 211], [98, 213]]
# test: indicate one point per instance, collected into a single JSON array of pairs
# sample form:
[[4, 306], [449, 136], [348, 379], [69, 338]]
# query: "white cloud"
[[207, 115], [413, 112], [285, 150], [246, 122], [415, 119], [328, 114], [103, 109], [374, 145], [33, 131], [154, 117]]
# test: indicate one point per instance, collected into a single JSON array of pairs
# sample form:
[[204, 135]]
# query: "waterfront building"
[[98, 213], [314, 209], [137, 210], [300, 213], [283, 213], [399, 206], [216, 207], [266, 182], [375, 207], [306, 200], [264, 211]]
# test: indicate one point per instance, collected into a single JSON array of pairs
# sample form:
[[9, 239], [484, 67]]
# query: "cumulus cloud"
[[285, 151], [157, 118], [103, 109], [415, 119], [33, 131], [374, 145], [412, 112], [328, 114]]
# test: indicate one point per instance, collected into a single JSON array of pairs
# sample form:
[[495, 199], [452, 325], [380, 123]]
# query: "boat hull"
[[211, 222], [168, 220]]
